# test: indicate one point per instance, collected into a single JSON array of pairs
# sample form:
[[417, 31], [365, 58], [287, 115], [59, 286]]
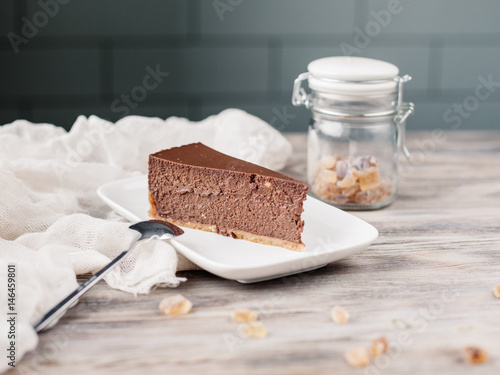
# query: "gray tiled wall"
[[90, 52]]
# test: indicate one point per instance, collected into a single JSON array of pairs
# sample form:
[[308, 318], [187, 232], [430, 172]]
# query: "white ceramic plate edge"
[[243, 273]]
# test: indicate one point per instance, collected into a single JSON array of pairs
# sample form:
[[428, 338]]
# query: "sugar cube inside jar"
[[357, 129]]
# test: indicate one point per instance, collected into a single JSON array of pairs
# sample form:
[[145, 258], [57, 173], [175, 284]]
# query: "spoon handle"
[[66, 303]]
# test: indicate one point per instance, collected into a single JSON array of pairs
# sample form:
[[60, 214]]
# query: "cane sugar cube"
[[369, 178], [175, 305]]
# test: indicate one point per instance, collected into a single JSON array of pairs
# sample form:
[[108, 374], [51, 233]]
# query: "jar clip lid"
[[356, 77]]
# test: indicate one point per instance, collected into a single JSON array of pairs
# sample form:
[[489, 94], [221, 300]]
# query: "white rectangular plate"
[[329, 235]]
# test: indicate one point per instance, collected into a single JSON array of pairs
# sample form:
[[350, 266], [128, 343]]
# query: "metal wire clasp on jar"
[[357, 129]]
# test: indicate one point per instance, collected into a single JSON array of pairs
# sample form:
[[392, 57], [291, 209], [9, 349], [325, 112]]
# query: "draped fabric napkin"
[[53, 225]]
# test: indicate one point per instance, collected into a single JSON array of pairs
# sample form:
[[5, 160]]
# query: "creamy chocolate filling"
[[196, 184]]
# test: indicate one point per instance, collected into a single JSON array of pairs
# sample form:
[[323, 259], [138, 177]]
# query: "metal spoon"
[[147, 229]]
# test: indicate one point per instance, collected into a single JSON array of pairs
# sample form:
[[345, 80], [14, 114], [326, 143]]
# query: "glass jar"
[[357, 130]]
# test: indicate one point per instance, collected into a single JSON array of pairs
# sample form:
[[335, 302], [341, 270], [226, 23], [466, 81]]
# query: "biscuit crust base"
[[235, 233]]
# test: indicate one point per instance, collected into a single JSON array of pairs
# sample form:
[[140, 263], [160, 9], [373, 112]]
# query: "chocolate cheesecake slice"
[[197, 187]]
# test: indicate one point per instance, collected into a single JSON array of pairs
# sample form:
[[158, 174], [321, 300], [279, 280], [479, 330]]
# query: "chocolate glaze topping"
[[194, 183]]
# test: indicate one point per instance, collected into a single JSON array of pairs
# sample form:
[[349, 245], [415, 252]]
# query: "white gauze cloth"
[[53, 225]]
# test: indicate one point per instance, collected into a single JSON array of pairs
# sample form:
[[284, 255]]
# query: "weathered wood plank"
[[426, 284]]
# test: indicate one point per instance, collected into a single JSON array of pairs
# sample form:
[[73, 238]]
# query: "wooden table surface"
[[426, 284]]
